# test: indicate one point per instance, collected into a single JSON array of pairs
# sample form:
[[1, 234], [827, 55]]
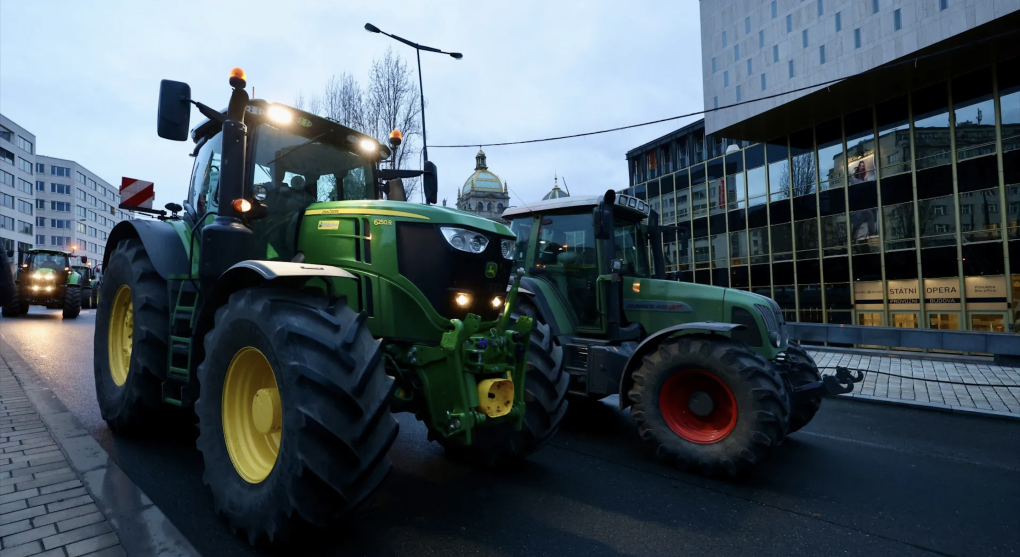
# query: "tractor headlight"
[[465, 240], [259, 192], [496, 302], [775, 338], [508, 247], [462, 299]]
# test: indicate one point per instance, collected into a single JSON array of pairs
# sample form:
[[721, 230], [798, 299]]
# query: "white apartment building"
[[17, 168]]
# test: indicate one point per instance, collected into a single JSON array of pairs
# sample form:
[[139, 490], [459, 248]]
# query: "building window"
[[6, 200], [61, 188], [60, 171], [897, 20], [857, 38], [943, 4], [790, 64], [747, 25], [7, 222], [40, 239], [821, 54], [714, 67], [762, 82], [25, 165], [738, 93], [40, 186], [40, 168], [40, 222], [24, 227], [750, 69], [726, 78], [6, 178], [789, 23], [6, 134], [821, 8], [775, 53], [40, 203], [761, 39], [25, 206], [736, 52], [80, 177], [62, 206], [874, 6], [25, 145], [25, 186], [773, 9], [7, 156], [839, 21], [724, 38]]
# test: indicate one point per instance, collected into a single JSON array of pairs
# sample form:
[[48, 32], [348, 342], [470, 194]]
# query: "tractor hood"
[[410, 212]]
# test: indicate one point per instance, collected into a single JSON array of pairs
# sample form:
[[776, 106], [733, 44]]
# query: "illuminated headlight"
[[259, 192], [49, 288], [368, 145], [462, 300], [37, 276], [496, 302], [508, 247], [465, 240], [35, 288], [280, 114]]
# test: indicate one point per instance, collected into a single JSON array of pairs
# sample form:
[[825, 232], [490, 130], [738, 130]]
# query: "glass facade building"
[[904, 212]]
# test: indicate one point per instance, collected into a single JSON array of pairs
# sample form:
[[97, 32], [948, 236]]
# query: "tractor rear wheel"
[[545, 383], [294, 416], [709, 404], [802, 370], [72, 301], [86, 298], [132, 328], [15, 307]]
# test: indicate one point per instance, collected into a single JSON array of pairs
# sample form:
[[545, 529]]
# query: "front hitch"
[[841, 383]]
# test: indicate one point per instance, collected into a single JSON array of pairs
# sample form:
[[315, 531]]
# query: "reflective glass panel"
[[898, 226], [758, 242], [864, 231], [980, 215], [834, 234]]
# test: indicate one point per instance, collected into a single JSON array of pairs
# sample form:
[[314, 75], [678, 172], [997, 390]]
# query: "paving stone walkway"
[[1003, 401], [45, 509]]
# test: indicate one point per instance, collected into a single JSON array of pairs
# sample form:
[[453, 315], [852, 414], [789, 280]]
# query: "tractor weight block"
[[495, 397]]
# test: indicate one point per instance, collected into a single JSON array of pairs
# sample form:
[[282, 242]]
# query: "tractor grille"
[[426, 259], [769, 317]]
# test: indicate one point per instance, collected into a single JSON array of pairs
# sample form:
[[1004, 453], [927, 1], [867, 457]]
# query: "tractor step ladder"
[[182, 321]]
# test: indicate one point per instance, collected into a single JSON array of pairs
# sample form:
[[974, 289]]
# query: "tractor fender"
[[247, 274], [653, 341], [158, 238]]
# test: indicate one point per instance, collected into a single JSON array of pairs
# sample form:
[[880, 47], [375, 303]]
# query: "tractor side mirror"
[[84, 260], [596, 223], [431, 183], [602, 216], [174, 110]]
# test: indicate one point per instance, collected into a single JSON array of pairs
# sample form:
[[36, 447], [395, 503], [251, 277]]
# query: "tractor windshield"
[[47, 261], [298, 171], [631, 247]]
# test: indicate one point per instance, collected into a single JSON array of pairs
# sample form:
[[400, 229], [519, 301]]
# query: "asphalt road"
[[861, 479]]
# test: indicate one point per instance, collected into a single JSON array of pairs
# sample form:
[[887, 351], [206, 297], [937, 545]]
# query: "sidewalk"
[[997, 401], [60, 494]]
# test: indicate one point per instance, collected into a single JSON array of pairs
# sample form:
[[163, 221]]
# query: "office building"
[[17, 175], [890, 196]]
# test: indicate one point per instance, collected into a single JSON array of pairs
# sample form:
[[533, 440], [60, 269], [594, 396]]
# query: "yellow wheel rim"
[[252, 415], [122, 324]]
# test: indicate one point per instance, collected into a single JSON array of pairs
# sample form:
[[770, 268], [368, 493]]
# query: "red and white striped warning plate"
[[136, 193]]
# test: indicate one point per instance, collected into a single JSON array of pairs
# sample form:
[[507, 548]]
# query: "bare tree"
[[800, 174], [391, 101]]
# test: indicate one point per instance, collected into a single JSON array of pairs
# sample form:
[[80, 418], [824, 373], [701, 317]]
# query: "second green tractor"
[[295, 300]]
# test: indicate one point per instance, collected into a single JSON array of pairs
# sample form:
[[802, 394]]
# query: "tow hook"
[[842, 382]]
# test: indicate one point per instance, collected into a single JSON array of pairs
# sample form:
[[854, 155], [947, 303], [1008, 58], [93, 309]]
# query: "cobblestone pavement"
[[1003, 401], [45, 509]]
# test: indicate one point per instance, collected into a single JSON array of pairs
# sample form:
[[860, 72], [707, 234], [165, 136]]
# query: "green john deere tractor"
[[294, 308], [45, 278], [713, 382], [89, 283]]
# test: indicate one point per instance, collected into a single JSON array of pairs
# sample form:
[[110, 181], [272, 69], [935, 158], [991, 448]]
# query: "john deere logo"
[[490, 270]]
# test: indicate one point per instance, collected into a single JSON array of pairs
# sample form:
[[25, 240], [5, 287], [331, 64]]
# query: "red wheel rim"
[[675, 405]]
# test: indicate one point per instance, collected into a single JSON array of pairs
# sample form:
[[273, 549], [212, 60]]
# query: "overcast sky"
[[84, 77]]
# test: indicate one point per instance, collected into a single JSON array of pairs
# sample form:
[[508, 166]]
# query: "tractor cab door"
[[567, 258], [202, 199]]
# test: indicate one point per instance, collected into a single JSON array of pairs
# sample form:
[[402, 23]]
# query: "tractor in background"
[[711, 378], [294, 300], [90, 279], [44, 277]]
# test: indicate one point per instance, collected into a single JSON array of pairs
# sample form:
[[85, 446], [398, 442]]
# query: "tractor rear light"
[[465, 240], [241, 205], [508, 247]]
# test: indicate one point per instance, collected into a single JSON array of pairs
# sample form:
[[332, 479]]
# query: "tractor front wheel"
[[802, 370], [86, 298], [132, 328], [16, 307], [709, 404], [294, 416], [72, 301], [545, 384]]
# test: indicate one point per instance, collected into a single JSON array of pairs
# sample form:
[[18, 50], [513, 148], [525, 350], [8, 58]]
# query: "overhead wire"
[[913, 59]]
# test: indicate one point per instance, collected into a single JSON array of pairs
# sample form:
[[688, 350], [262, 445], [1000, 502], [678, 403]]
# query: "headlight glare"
[[465, 240]]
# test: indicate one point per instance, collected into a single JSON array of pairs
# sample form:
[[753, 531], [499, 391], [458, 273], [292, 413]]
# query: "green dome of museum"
[[482, 179]]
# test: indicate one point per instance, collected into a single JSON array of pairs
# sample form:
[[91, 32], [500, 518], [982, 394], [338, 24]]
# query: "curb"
[[932, 406], [143, 529], [906, 355]]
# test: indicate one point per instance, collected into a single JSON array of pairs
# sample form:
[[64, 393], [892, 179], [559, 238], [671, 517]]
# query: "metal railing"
[[1005, 347]]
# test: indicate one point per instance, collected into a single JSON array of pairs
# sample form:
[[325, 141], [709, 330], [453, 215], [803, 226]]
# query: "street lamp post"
[[421, 92]]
